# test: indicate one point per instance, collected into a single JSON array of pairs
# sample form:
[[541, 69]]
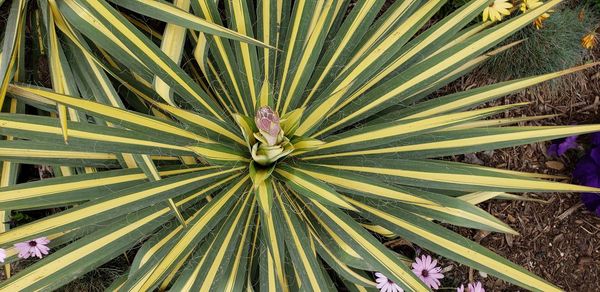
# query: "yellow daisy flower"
[[530, 4], [497, 10], [539, 22], [589, 41]]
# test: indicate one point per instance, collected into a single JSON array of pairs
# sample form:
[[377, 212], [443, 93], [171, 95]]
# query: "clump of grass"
[[554, 47]]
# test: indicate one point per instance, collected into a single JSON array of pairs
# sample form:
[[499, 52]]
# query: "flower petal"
[[426, 262], [591, 202], [595, 139], [432, 265], [586, 170], [37, 252], [486, 14]]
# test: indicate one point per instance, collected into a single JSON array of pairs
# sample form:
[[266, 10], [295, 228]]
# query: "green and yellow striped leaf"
[[67, 190], [421, 202], [448, 175], [370, 248], [115, 204], [90, 251], [298, 244], [414, 78], [106, 27], [49, 154], [370, 58], [180, 247], [11, 42], [385, 133], [272, 230], [307, 185], [115, 115], [83, 135], [473, 97], [219, 257], [461, 141], [172, 14]]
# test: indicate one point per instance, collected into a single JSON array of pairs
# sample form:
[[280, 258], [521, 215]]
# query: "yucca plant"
[[256, 145]]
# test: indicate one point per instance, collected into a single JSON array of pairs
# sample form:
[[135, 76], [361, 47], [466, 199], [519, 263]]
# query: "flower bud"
[[267, 122]]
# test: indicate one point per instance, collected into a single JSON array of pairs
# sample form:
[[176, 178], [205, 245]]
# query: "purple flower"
[[595, 139], [587, 173], [592, 202], [2, 255], [473, 287], [560, 146], [35, 247], [384, 284], [425, 268]]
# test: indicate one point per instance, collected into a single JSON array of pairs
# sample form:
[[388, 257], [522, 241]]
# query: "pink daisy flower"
[[473, 287], [35, 247], [2, 255], [386, 285], [425, 268]]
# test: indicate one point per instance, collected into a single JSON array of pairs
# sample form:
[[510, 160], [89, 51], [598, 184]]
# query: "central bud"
[[268, 124], [271, 143]]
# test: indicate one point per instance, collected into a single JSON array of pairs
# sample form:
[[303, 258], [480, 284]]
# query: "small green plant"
[[255, 145], [555, 46]]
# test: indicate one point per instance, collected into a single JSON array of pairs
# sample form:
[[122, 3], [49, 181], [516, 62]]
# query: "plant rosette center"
[[270, 138], [271, 144]]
